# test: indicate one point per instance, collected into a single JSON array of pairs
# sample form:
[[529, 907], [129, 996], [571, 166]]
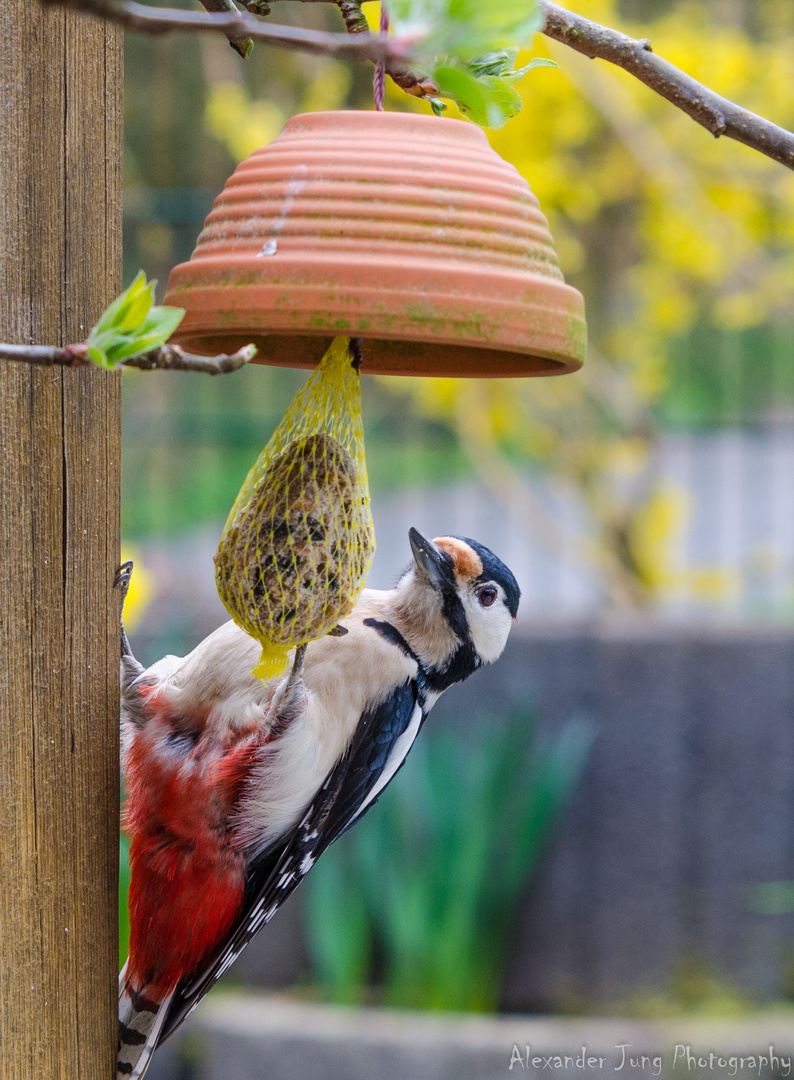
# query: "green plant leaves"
[[124, 886], [464, 29], [483, 88], [470, 49], [430, 883], [132, 324]]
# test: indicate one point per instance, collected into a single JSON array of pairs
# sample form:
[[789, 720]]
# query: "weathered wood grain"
[[60, 249]]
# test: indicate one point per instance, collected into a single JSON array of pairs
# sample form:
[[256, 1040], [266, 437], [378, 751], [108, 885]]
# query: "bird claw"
[[289, 700], [122, 580], [296, 671]]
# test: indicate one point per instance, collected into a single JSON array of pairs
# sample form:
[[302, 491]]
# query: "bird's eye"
[[487, 596]]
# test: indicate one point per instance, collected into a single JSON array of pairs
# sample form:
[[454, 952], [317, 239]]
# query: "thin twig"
[[354, 17], [172, 358], [242, 45], [417, 85], [709, 109], [151, 20], [166, 358]]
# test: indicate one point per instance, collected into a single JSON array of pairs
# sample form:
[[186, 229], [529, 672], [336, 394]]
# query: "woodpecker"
[[235, 786]]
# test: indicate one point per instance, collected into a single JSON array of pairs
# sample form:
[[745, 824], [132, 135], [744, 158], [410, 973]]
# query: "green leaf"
[[132, 346], [131, 325], [163, 321], [466, 91], [124, 348], [114, 315], [479, 37], [463, 29], [535, 62], [489, 101], [137, 308], [494, 63], [103, 341], [504, 101], [99, 357], [496, 101], [437, 873]]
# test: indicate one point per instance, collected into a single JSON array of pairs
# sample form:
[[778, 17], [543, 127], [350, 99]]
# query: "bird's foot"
[[289, 700], [122, 581]]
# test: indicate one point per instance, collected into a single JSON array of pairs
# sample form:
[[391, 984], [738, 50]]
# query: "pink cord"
[[379, 81]]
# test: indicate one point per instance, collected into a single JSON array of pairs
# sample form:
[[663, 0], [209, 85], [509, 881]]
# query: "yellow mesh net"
[[299, 541]]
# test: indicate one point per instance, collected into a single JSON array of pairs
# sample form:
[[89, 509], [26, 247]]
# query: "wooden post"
[[60, 248]]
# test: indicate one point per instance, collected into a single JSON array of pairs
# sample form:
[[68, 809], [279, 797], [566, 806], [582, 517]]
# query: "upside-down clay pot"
[[408, 231]]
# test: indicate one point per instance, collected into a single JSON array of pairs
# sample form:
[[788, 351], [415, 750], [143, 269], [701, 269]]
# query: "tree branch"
[[166, 358], [241, 45], [416, 85], [151, 20], [709, 109]]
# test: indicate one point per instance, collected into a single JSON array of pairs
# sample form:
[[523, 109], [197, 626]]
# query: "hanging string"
[[379, 81]]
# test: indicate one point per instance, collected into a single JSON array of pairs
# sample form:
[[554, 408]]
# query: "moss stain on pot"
[[401, 228]]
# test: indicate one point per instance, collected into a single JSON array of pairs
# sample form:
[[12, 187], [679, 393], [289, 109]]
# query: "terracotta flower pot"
[[406, 230]]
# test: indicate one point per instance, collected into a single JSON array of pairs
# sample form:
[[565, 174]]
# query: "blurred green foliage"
[[695, 990], [124, 886], [422, 895], [464, 29], [469, 49]]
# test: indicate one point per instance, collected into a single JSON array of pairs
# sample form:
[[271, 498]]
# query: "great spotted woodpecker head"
[[457, 602]]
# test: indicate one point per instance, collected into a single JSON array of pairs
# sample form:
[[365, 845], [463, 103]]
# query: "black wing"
[[342, 799]]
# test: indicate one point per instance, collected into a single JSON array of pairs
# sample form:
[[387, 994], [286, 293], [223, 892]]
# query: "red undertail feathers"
[[183, 786]]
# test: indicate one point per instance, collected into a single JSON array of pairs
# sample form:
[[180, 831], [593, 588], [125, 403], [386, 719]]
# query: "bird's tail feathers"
[[140, 1023]]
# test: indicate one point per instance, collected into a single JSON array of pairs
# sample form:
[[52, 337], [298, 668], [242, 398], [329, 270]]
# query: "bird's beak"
[[430, 559]]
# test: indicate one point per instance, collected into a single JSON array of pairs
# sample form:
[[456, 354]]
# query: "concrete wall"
[[238, 1037], [686, 804], [685, 807]]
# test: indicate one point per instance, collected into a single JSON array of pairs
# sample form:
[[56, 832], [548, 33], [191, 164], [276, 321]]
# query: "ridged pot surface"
[[406, 230]]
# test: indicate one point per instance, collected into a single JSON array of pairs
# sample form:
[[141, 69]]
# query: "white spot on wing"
[[227, 962], [256, 921]]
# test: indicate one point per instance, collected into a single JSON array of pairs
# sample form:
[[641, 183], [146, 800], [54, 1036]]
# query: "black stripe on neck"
[[463, 662], [392, 634]]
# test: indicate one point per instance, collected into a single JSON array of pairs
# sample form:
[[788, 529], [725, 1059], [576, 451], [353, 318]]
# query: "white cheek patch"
[[489, 626]]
